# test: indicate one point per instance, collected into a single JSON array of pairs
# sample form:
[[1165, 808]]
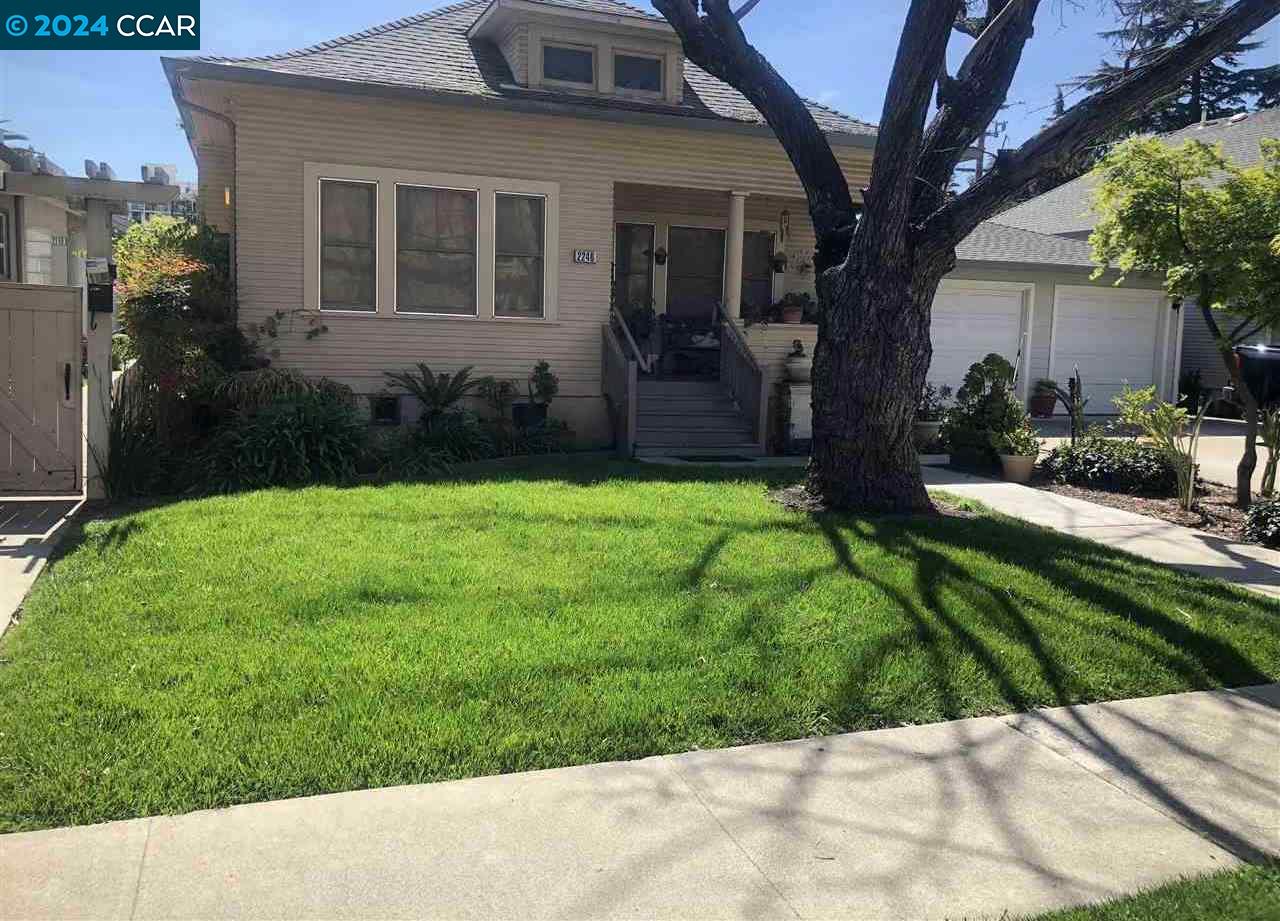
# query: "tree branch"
[[968, 103], [715, 42], [745, 9], [1080, 126]]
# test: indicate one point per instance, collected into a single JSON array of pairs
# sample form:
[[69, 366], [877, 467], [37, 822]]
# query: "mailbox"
[[1260, 370]]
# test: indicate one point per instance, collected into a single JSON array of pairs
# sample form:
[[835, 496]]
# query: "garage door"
[[970, 321], [1111, 334]]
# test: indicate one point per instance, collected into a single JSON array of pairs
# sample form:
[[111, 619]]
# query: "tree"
[[1211, 229], [877, 274], [1218, 88]]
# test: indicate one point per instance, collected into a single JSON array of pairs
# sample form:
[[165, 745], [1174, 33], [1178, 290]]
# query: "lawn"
[[1247, 894], [283, 643]]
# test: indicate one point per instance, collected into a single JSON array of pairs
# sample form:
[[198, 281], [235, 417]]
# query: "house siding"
[[1199, 352], [278, 131], [515, 48]]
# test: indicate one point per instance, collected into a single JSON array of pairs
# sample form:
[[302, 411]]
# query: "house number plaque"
[[585, 256]]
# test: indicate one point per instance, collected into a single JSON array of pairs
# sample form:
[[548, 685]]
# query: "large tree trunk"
[[870, 364]]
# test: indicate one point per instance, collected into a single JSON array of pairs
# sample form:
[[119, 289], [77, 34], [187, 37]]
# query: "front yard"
[[284, 643]]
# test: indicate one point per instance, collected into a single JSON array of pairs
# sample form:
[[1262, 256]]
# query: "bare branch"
[[715, 42], [1084, 123], [746, 8]]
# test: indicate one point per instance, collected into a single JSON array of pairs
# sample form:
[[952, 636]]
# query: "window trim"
[[593, 86], [546, 234], [319, 249], [395, 254], [6, 246], [626, 91]]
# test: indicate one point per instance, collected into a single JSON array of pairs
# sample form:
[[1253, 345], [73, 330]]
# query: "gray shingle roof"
[[994, 242], [432, 52], [1066, 209]]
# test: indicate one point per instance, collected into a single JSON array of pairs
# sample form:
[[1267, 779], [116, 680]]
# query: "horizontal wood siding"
[[279, 130], [515, 48]]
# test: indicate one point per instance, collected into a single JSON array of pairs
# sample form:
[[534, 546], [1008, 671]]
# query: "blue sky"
[[115, 106]]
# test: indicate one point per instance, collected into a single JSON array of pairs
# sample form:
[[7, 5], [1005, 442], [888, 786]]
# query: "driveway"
[[1221, 444]]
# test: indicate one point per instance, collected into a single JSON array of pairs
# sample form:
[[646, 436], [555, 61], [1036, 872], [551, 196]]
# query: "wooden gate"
[[40, 389]]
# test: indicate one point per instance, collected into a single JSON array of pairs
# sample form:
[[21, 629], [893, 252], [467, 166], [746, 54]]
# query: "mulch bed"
[[1215, 510]]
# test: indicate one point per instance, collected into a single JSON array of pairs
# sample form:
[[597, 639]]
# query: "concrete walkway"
[[29, 530], [1246, 565], [963, 819]]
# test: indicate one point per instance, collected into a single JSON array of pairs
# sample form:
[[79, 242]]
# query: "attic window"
[[637, 73], [562, 64]]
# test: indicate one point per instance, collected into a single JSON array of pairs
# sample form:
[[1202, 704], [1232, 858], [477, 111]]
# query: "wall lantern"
[[660, 256]]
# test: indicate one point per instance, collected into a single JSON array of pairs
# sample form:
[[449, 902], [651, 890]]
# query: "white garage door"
[[970, 321], [1111, 334]]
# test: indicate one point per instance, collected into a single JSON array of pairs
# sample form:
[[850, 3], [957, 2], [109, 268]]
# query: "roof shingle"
[[432, 52]]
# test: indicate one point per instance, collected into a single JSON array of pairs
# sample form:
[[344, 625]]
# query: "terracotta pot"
[[792, 314], [1017, 467], [800, 369], [1041, 404]]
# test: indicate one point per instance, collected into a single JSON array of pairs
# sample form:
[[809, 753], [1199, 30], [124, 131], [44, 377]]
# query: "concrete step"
[[677, 406], [692, 438], [728, 450], [700, 421]]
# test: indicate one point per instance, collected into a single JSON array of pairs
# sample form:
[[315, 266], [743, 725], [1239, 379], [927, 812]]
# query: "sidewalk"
[[1246, 565], [975, 817], [29, 530]]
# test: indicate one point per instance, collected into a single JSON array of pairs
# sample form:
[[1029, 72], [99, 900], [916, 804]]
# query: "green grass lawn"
[[283, 643], [1247, 894]]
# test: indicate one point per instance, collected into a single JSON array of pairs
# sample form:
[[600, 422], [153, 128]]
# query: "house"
[[1066, 213], [475, 184]]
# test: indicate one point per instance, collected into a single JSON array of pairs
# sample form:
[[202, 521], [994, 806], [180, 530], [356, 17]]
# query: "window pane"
[[519, 224], [634, 73], [634, 269], [435, 250], [569, 65], [348, 245], [517, 286]]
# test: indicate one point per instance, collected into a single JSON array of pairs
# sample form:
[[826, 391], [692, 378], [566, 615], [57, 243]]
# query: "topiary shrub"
[[986, 409], [1112, 464], [316, 438], [1262, 523]]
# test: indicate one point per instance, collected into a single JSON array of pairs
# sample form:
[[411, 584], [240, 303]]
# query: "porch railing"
[[640, 358], [744, 378], [621, 389]]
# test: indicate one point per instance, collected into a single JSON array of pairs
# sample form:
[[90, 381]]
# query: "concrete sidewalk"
[[1246, 565], [963, 819], [29, 530]]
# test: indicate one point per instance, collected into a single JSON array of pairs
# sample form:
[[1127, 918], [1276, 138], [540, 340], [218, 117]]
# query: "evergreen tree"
[[1220, 88]]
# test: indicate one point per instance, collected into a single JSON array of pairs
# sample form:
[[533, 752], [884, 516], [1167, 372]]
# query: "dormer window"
[[573, 66], [637, 73]]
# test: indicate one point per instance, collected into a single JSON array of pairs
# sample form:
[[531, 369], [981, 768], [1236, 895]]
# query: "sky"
[[115, 105]]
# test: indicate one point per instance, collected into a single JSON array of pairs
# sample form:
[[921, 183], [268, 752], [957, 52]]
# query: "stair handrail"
[[641, 359], [739, 340], [760, 397]]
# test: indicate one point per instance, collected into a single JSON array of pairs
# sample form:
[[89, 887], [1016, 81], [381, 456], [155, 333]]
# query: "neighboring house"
[[185, 205], [474, 184], [1066, 212]]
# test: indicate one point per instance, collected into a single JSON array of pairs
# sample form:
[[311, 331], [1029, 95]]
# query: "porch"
[[693, 348]]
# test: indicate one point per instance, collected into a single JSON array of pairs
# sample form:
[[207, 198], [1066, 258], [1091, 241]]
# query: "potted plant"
[[779, 262], [543, 386], [799, 365], [930, 412], [1044, 396], [1019, 449], [793, 306]]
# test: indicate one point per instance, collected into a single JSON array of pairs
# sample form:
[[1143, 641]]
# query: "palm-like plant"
[[437, 392]]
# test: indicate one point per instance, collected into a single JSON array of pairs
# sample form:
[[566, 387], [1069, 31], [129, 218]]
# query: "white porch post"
[[97, 393], [733, 254]]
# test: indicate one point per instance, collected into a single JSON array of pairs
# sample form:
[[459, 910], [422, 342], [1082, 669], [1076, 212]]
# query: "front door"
[[695, 275], [40, 434]]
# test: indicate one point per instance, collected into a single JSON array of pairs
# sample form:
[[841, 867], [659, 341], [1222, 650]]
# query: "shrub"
[[985, 411], [263, 386], [438, 393], [315, 438], [1262, 523], [137, 462], [1113, 464], [456, 437]]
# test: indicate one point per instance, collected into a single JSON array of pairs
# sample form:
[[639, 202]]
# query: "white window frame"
[[546, 208], [318, 239], [592, 50], [6, 247], [387, 179], [649, 95], [395, 280]]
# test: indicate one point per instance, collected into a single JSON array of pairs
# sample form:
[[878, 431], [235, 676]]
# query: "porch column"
[[733, 254]]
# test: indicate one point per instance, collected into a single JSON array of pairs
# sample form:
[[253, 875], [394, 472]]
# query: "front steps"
[[679, 418]]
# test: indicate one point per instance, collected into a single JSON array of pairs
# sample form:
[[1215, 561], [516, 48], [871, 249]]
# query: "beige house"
[[475, 185]]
